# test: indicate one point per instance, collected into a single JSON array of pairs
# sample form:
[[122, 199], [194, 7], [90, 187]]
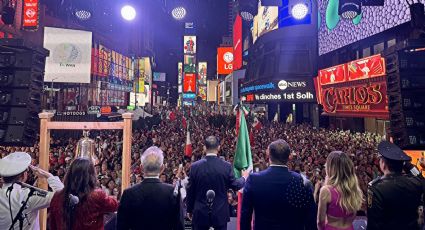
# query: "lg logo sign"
[[228, 58]]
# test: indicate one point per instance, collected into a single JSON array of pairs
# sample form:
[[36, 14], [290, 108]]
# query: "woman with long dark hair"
[[80, 205]]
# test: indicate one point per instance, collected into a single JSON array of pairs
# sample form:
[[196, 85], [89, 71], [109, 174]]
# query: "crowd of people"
[[310, 147], [331, 169]]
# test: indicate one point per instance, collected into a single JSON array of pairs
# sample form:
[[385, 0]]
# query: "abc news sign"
[[278, 91]]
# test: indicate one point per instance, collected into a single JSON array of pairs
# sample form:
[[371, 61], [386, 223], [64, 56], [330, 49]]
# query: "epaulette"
[[375, 181]]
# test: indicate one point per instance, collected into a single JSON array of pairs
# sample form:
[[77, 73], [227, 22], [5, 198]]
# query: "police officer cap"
[[392, 152], [14, 164]]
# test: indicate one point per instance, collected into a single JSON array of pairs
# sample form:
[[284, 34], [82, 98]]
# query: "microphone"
[[73, 200], [409, 167], [37, 191], [210, 196]]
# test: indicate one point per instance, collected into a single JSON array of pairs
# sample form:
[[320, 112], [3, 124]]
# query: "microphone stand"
[[209, 204], [20, 216]]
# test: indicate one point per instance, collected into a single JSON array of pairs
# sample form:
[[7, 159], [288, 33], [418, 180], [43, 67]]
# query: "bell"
[[86, 148]]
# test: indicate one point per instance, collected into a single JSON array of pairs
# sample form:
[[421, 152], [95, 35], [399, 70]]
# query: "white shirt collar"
[[212, 154], [151, 177], [275, 165]]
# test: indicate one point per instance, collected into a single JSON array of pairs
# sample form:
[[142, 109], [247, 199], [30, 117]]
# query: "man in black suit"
[[277, 196], [150, 205], [211, 173]]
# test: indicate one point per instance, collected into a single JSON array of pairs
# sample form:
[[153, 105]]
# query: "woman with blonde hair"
[[340, 197]]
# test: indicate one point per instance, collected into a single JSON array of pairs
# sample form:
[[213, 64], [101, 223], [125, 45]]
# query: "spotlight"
[[349, 9], [299, 11], [83, 15], [179, 12], [247, 16], [128, 13], [248, 9]]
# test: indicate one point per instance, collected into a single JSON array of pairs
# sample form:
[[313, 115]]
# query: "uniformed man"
[[13, 169], [394, 198]]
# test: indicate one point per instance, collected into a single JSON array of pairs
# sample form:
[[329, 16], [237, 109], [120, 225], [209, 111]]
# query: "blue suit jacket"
[[279, 199], [215, 174]]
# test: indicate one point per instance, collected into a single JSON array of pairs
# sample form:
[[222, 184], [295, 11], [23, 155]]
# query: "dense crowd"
[[310, 147]]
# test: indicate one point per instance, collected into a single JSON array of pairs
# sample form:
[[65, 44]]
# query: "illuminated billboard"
[[189, 44], [202, 92], [335, 32], [70, 58], [354, 89], [202, 73], [237, 43], [225, 60], [189, 83], [180, 72], [189, 64], [268, 19], [30, 14]]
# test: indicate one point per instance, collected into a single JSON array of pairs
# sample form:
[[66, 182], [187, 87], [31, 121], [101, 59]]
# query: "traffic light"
[[21, 85]]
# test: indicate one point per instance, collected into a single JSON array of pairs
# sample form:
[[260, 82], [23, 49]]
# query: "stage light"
[[299, 11], [247, 16], [179, 12], [128, 13], [349, 9], [248, 9], [83, 15]]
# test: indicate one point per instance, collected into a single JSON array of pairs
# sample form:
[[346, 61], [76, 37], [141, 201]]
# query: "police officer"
[[13, 169], [394, 198]]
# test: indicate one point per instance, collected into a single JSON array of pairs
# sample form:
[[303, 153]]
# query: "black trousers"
[[224, 227]]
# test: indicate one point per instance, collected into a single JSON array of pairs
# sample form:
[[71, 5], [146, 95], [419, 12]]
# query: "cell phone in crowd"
[[257, 169], [180, 166]]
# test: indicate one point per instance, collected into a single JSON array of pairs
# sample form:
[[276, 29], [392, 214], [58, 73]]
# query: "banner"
[[158, 76], [225, 60], [237, 43], [70, 55], [180, 72], [202, 73], [189, 83], [30, 14], [189, 44]]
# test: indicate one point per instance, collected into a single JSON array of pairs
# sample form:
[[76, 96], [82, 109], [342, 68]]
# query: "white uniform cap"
[[14, 164]]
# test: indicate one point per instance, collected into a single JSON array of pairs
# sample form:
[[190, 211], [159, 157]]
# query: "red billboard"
[[30, 14], [369, 67], [355, 89], [225, 60], [237, 43], [189, 83]]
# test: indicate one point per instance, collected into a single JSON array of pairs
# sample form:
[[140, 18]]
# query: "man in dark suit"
[[277, 196], [211, 173], [150, 205]]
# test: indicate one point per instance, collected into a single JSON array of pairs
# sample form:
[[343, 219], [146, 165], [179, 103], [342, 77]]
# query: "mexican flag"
[[243, 156], [188, 147]]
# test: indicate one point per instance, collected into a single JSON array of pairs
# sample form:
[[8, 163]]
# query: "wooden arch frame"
[[46, 125]]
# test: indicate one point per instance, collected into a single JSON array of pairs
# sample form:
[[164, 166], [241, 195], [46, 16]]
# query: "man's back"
[[210, 173], [150, 205], [393, 202], [279, 199]]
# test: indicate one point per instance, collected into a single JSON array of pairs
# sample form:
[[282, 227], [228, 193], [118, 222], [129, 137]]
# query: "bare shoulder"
[[325, 193]]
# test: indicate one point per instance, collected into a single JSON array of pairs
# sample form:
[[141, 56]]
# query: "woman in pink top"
[[340, 198]]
